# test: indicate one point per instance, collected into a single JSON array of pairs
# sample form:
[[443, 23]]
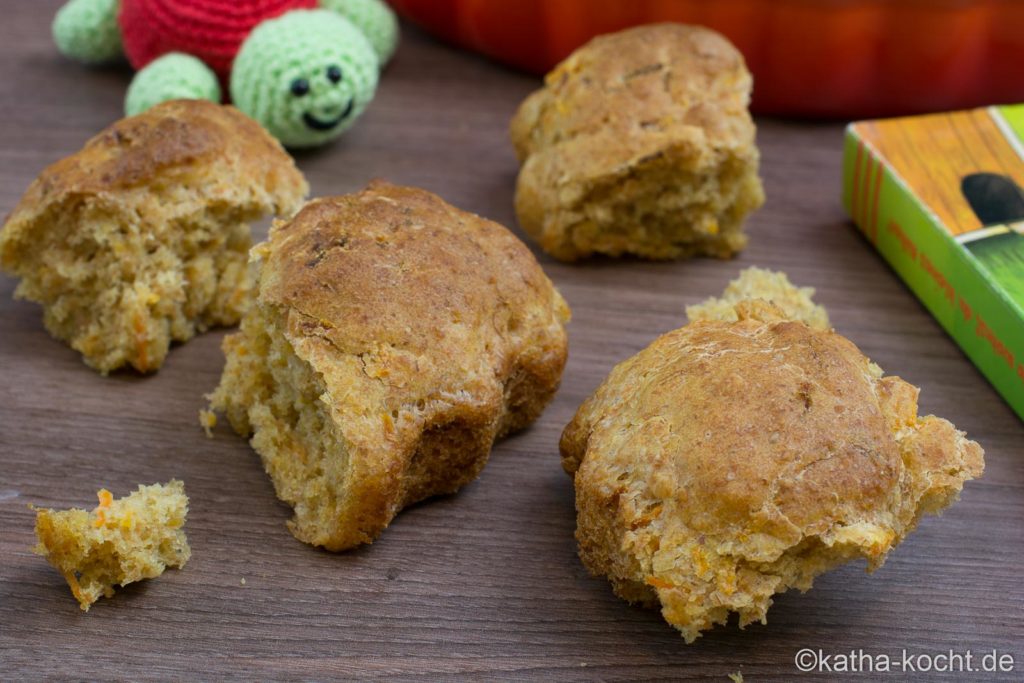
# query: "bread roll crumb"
[[121, 541], [772, 286]]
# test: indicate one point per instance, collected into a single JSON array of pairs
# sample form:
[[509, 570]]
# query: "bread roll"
[[393, 339], [640, 143], [140, 239]]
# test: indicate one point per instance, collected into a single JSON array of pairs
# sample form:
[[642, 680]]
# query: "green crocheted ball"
[[306, 76], [171, 77], [87, 30], [375, 19]]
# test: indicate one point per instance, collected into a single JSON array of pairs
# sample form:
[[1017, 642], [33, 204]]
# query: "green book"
[[941, 197]]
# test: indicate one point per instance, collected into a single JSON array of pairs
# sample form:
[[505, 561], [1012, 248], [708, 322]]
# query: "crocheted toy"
[[305, 69]]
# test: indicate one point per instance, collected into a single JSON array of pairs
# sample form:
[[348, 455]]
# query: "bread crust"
[[655, 112], [729, 461], [173, 142], [430, 332]]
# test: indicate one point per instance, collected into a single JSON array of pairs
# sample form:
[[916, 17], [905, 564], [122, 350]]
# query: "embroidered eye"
[[300, 86], [334, 74]]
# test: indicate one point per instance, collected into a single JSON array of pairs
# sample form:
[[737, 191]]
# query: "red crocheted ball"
[[211, 30]]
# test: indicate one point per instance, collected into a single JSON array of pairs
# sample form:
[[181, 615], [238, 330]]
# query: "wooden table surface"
[[485, 583]]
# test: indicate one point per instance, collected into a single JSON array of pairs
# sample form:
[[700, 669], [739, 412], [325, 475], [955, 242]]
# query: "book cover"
[[941, 196]]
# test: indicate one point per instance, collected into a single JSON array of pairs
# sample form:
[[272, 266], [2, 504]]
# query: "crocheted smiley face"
[[305, 69], [306, 76]]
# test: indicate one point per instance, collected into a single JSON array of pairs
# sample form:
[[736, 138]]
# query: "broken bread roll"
[[797, 303], [141, 238], [640, 142], [732, 460], [119, 542], [393, 339]]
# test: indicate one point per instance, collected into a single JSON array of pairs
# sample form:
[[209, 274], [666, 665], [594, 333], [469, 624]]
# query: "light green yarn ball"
[[87, 30], [171, 77], [306, 76], [375, 19]]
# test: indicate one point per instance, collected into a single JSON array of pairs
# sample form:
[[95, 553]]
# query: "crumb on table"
[[121, 541]]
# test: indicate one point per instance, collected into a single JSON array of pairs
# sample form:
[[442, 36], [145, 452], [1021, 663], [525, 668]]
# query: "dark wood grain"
[[484, 584]]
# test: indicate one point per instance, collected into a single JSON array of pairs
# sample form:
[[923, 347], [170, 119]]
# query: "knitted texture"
[[87, 30], [374, 18], [306, 76], [174, 76], [211, 30]]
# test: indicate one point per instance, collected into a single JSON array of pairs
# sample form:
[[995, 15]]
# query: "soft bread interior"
[[119, 542], [662, 207], [122, 281], [268, 392], [796, 303]]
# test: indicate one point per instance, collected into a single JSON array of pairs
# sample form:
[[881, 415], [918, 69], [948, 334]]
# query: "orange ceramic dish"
[[833, 58]]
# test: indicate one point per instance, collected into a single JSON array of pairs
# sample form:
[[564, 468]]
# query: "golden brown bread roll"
[[141, 237], [640, 143], [394, 338], [729, 461]]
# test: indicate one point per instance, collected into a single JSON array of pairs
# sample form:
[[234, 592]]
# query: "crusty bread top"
[[752, 436], [170, 140], [640, 87], [214, 149], [407, 305]]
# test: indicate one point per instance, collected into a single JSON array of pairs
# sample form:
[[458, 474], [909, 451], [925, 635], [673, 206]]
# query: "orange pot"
[[829, 58]]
